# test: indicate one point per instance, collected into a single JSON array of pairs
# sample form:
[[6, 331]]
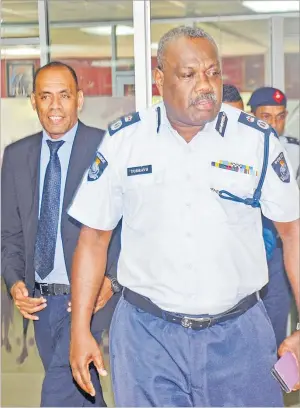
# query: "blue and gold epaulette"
[[253, 122], [123, 122]]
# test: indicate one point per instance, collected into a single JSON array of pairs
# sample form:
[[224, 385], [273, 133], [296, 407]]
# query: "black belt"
[[53, 289], [196, 323]]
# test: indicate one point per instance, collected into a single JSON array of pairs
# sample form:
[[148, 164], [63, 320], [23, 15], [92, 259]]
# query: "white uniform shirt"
[[183, 246], [291, 145]]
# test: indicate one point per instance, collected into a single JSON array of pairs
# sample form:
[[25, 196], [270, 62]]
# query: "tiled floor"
[[21, 383]]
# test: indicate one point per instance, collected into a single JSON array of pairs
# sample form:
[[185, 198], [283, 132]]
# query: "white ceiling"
[[20, 19], [105, 10]]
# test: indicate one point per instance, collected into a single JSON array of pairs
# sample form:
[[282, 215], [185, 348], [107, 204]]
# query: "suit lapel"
[[33, 160], [77, 166]]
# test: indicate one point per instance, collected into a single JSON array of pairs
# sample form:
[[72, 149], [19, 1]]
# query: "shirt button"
[[188, 177], [188, 234], [189, 266], [188, 204]]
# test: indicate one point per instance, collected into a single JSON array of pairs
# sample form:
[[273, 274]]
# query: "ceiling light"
[[106, 30], [20, 52], [13, 30], [272, 6]]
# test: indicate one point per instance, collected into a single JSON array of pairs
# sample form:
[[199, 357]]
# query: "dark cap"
[[267, 96]]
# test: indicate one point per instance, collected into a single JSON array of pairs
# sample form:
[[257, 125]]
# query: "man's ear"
[[80, 100], [159, 80], [33, 101]]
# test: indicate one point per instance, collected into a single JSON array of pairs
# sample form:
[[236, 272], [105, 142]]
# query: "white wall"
[[293, 122]]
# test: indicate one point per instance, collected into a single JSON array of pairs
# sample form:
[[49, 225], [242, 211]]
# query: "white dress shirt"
[[59, 272]]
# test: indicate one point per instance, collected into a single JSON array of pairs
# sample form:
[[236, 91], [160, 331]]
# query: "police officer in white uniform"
[[292, 147], [269, 104], [190, 329]]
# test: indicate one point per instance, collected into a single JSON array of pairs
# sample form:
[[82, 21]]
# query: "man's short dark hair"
[[178, 32], [231, 94], [54, 64]]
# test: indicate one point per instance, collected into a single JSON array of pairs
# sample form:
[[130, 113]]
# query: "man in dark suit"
[[40, 175]]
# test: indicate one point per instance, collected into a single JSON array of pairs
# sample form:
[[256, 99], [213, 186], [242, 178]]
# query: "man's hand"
[[84, 350], [27, 305], [292, 344], [104, 295]]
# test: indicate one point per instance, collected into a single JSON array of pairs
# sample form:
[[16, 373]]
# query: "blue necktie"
[[49, 214]]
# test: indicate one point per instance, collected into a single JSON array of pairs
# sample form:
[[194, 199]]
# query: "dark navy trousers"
[[158, 363], [277, 295], [52, 335]]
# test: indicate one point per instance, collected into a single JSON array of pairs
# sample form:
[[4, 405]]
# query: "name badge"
[[136, 171]]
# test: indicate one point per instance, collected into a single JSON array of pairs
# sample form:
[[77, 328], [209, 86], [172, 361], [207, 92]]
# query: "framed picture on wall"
[[19, 78]]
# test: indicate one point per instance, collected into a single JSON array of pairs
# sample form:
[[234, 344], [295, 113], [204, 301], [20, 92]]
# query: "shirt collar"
[[68, 137], [164, 118], [165, 121]]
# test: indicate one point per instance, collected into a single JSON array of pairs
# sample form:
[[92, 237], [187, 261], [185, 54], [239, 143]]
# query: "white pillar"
[[142, 54], [44, 31], [277, 52]]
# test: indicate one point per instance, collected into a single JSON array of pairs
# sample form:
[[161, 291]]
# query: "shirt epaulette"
[[253, 122], [123, 122], [293, 140]]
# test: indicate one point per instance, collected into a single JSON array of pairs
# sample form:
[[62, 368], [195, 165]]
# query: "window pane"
[[244, 45], [204, 8], [96, 11], [19, 18], [18, 62], [80, 35]]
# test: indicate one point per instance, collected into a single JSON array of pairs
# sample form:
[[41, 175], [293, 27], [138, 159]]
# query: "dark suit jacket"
[[20, 208]]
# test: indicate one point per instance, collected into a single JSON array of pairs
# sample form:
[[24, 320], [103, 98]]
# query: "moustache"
[[204, 97]]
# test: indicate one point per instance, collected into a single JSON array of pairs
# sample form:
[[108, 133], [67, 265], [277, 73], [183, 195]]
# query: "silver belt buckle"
[[42, 287], [187, 322]]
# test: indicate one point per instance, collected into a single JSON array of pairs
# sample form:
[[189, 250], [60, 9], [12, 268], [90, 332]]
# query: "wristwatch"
[[115, 285]]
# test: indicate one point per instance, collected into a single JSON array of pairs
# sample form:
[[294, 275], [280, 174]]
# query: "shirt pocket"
[[141, 196], [235, 182], [239, 184]]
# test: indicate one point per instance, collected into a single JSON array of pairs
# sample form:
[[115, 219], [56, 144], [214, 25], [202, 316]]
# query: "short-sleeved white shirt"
[[183, 246]]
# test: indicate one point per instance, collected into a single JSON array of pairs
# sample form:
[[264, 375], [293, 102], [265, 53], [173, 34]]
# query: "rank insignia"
[[221, 123], [281, 168], [97, 168], [123, 122]]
